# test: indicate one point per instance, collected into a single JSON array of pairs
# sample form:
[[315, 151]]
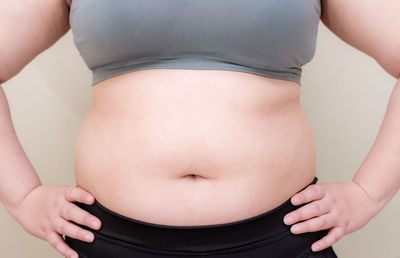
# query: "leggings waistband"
[[168, 237]]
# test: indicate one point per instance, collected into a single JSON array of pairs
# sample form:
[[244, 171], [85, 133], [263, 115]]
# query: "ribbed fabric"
[[272, 38]]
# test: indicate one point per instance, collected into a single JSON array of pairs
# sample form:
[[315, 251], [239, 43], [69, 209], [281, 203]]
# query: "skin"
[[329, 203], [345, 207], [21, 191]]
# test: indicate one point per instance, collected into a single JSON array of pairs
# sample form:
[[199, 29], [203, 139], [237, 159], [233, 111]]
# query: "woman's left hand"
[[342, 207]]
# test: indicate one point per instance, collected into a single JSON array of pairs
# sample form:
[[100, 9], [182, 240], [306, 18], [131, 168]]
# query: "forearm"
[[17, 175], [379, 173]]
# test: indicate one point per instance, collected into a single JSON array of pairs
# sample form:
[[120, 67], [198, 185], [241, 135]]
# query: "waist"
[[265, 229], [148, 145]]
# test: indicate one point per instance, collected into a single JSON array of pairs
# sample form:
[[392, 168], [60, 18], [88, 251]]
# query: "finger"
[[74, 213], [315, 208], [69, 229], [312, 192], [333, 236], [315, 224], [57, 242], [75, 193]]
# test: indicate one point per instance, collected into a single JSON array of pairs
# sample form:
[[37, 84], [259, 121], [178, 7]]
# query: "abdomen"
[[194, 147]]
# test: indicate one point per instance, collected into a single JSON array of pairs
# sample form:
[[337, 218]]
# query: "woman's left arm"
[[372, 27]]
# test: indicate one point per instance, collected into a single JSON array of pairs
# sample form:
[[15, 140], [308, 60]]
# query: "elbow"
[[4, 73], [395, 71], [390, 60], [3, 76], [391, 66], [2, 79]]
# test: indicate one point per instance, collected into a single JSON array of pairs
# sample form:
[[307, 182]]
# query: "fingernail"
[[288, 219], [96, 224], [89, 237], [89, 198], [315, 247], [294, 229]]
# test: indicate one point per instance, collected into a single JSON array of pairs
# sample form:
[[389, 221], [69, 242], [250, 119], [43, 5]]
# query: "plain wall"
[[344, 93]]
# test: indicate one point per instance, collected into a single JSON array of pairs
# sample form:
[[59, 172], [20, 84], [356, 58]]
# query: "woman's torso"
[[245, 137]]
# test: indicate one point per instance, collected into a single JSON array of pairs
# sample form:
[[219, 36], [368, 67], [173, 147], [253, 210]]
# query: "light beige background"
[[344, 92]]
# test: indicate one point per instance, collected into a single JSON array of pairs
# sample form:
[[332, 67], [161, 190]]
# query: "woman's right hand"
[[47, 211]]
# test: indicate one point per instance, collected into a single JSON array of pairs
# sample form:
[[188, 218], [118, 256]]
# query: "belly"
[[194, 147]]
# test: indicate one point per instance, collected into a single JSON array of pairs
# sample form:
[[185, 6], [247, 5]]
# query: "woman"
[[208, 153]]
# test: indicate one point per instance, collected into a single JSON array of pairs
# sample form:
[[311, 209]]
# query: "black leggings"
[[262, 236]]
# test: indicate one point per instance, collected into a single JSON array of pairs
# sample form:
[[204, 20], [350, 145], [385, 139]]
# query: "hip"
[[264, 235]]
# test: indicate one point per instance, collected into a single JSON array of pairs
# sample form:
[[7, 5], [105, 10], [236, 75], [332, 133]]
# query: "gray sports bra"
[[272, 38]]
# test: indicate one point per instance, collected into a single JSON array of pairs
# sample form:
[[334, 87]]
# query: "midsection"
[[194, 147]]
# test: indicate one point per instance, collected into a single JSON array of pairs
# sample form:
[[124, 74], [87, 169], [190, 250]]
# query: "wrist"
[[13, 208], [377, 203]]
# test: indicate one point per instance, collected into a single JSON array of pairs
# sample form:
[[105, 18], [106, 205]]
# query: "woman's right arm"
[[27, 28], [17, 176]]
